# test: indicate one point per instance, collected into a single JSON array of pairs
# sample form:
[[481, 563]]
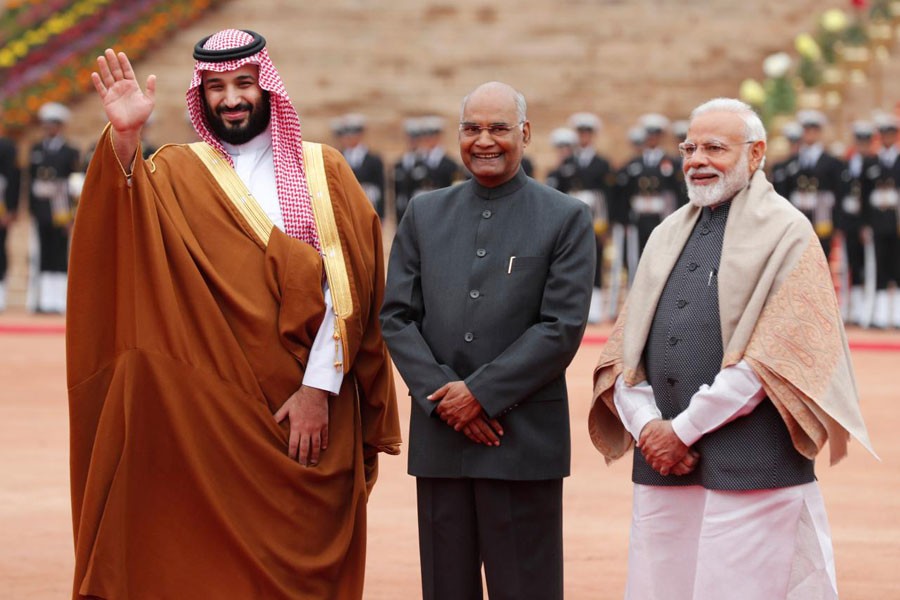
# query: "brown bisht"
[[186, 331]]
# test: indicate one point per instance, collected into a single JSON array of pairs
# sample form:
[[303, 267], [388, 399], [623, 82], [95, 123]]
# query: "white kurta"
[[690, 543]]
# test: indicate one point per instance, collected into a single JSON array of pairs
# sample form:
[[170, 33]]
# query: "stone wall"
[[399, 58]]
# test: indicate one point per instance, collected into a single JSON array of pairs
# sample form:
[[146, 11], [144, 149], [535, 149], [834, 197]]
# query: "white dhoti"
[[690, 543]]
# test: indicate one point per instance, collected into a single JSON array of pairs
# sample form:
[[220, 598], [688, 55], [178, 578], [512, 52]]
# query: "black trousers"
[[887, 259], [54, 243], [856, 256], [3, 260], [826, 245], [513, 528], [645, 226]]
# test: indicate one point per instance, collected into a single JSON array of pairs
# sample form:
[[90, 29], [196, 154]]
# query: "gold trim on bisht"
[[235, 189], [330, 241]]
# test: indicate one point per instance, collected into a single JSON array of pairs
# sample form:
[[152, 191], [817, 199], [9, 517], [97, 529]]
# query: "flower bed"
[[48, 48]]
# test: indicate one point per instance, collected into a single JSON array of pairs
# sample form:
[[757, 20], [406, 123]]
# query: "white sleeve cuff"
[[644, 415], [735, 392], [686, 431], [636, 406], [321, 372]]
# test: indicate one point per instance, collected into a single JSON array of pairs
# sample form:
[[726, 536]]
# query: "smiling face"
[[236, 108], [493, 159], [714, 179]]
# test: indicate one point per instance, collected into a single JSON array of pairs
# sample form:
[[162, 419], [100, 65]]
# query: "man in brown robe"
[[204, 462]]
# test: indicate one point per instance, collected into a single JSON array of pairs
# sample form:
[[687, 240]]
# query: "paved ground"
[[862, 495]]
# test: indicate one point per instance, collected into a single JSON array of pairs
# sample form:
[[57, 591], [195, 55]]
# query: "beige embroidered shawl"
[[778, 312]]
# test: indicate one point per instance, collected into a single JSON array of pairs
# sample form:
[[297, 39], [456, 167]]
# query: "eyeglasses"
[[710, 149], [495, 130]]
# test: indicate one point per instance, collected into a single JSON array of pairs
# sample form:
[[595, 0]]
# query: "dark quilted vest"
[[684, 351]]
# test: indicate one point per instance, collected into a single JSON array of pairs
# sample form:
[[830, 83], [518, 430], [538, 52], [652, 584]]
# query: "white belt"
[[587, 196], [804, 200], [884, 198], [648, 205], [851, 205]]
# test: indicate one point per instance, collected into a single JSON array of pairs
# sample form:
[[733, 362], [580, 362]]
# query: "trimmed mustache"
[[703, 171], [242, 106]]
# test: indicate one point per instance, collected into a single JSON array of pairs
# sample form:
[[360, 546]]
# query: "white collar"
[[586, 154], [260, 143]]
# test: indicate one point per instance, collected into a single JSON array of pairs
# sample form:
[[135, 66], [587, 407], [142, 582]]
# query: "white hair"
[[756, 131], [754, 128], [521, 106]]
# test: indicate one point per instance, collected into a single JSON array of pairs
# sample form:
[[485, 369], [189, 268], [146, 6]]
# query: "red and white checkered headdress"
[[229, 50]]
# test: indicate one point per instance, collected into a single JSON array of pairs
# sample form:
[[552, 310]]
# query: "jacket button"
[[682, 303], [673, 340], [693, 266], [474, 294], [671, 381], [486, 213], [469, 336], [704, 231], [480, 253]]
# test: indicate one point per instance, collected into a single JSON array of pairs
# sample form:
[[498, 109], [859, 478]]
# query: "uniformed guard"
[[9, 204], [649, 182], [410, 169], [52, 161], [367, 165], [793, 133], [680, 130], [564, 141], [882, 215], [856, 305], [337, 131], [442, 171], [595, 178], [623, 232], [679, 133], [812, 178]]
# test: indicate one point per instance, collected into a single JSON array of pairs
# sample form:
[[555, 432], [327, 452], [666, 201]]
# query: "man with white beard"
[[730, 368]]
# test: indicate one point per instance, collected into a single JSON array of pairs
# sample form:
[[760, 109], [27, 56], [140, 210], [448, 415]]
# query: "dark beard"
[[256, 124]]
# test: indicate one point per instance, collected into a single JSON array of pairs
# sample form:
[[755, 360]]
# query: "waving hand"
[[127, 106]]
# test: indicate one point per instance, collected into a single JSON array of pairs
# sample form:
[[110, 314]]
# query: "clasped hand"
[[459, 409], [664, 451]]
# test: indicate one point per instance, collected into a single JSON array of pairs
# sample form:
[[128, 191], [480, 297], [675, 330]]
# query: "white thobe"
[[691, 543], [255, 165]]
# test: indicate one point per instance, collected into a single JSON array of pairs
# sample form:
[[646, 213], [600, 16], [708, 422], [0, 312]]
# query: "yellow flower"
[[807, 47], [7, 58], [19, 48], [55, 26], [33, 37], [752, 92], [834, 20]]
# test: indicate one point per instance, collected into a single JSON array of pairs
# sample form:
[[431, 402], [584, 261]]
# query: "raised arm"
[[127, 106]]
